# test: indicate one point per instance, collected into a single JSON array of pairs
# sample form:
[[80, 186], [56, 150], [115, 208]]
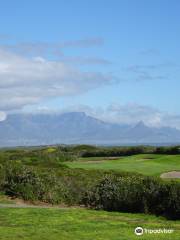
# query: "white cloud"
[[25, 81], [2, 116], [130, 114]]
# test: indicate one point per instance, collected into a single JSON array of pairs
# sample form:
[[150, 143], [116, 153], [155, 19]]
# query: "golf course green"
[[147, 164]]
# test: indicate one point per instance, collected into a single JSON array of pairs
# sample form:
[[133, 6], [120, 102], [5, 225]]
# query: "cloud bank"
[[2, 116], [25, 81], [130, 114]]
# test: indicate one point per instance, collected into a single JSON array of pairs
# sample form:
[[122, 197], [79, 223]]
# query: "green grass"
[[5, 200], [148, 164], [79, 224]]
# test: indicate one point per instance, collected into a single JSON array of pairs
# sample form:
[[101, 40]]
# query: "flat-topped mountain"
[[77, 127]]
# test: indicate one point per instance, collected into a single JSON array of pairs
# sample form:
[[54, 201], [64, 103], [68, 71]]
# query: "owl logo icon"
[[138, 231]]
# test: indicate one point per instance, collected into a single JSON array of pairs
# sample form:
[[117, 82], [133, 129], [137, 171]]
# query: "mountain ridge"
[[76, 128]]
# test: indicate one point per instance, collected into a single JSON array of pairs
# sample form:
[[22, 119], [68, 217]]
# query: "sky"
[[117, 60]]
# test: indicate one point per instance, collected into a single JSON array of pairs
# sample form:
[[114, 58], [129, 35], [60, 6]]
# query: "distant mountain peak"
[[77, 127], [140, 124]]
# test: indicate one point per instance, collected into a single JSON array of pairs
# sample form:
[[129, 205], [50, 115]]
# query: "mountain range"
[[78, 128]]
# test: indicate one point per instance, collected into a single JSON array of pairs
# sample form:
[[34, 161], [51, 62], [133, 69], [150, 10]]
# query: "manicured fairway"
[[147, 164], [79, 224]]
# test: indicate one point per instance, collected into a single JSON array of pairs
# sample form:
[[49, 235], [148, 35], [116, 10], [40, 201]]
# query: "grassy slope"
[[147, 164], [78, 224]]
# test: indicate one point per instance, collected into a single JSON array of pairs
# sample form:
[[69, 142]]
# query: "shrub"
[[135, 194], [114, 151], [23, 182], [172, 208], [2, 177], [168, 150]]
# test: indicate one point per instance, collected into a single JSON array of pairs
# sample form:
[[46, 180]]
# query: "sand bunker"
[[173, 174]]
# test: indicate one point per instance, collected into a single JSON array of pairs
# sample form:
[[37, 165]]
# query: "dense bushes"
[[29, 184], [55, 155], [126, 151], [113, 151], [135, 194], [40, 175], [22, 182], [167, 150], [111, 191], [62, 185], [2, 177], [45, 156]]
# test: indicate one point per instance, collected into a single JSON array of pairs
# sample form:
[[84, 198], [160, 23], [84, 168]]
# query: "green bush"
[[167, 150], [29, 184], [172, 208], [2, 177], [40, 174], [47, 185], [21, 181], [114, 151], [135, 194]]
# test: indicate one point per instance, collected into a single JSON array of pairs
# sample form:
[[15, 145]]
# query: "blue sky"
[[130, 49]]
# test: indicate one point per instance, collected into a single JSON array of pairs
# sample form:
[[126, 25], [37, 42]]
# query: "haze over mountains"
[[77, 127]]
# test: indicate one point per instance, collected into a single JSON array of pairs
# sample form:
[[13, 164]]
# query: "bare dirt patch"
[[173, 174]]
